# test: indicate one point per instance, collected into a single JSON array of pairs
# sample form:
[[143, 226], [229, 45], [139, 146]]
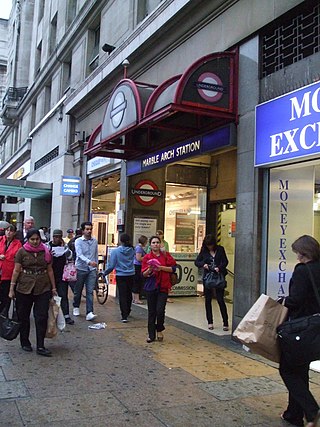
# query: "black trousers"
[[138, 280], [301, 401], [40, 305], [62, 289], [156, 312], [124, 285], [4, 294], [222, 305]]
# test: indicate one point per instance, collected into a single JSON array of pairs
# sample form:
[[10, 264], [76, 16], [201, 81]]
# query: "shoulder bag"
[[9, 327], [300, 338], [214, 280]]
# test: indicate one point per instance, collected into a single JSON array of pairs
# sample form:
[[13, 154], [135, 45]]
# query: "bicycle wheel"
[[102, 288]]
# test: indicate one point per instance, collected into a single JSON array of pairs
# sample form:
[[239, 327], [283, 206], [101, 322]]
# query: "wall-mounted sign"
[[23, 171], [97, 163], [70, 186], [288, 127], [146, 192], [185, 229], [192, 147]]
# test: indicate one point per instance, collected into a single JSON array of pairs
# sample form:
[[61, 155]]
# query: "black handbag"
[[214, 280], [9, 327], [300, 338]]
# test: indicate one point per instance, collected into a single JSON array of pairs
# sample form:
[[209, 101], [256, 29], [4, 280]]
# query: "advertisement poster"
[[185, 229], [144, 226]]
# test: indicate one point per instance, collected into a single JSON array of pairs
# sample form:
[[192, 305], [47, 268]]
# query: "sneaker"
[[69, 321], [124, 320], [76, 311], [90, 316]]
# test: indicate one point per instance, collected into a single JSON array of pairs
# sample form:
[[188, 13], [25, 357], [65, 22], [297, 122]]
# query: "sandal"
[[160, 336]]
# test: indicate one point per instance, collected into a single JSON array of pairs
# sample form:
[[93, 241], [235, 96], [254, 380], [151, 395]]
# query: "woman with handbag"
[[212, 258], [156, 268], [32, 284], [9, 246], [301, 302]]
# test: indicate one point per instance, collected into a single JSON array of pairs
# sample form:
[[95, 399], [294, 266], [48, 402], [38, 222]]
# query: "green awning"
[[25, 189]]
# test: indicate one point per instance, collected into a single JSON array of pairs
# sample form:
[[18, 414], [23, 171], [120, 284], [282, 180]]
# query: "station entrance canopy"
[[25, 189], [141, 118]]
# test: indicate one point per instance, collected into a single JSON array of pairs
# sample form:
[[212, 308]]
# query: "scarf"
[[39, 248]]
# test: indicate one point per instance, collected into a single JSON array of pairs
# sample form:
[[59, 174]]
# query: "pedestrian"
[[9, 246], [301, 302], [28, 224], [164, 245], [71, 242], [69, 236], [86, 248], [213, 256], [121, 259], [3, 226], [60, 255], [140, 251], [157, 265], [32, 284]]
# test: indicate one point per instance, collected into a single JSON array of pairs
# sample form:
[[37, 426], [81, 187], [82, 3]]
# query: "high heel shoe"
[[160, 336]]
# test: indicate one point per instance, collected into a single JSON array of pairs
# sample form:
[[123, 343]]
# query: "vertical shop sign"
[[290, 216]]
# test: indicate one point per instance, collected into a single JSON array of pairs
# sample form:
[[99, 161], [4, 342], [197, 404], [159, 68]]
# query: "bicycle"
[[102, 288]]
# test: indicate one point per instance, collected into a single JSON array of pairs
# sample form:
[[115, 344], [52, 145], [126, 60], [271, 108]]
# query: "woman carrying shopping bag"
[[32, 284]]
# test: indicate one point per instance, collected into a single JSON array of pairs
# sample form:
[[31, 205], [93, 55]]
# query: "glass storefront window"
[[185, 217]]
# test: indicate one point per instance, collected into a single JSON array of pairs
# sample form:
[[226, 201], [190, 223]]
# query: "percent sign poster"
[[187, 275]]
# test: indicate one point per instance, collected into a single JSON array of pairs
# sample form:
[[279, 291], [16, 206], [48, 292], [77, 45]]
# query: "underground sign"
[[146, 192]]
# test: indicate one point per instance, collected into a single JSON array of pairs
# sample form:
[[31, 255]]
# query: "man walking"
[[28, 223], [86, 263]]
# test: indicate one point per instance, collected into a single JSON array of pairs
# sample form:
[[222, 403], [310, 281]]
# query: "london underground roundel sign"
[[146, 192]]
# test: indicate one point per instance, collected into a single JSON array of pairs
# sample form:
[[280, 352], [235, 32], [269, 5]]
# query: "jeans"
[[222, 305], [40, 305], [156, 312], [87, 278], [301, 401], [124, 285]]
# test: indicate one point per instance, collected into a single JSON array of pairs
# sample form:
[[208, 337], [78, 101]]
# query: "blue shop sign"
[[288, 127], [220, 138], [70, 186]]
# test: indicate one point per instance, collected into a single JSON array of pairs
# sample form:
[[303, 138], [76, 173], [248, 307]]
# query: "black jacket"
[[302, 300], [220, 259]]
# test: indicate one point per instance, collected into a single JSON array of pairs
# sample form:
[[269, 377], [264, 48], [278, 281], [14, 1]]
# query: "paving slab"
[[234, 389], [9, 414], [13, 389], [55, 409]]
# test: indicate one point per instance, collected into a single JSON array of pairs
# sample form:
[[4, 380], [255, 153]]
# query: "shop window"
[[185, 217]]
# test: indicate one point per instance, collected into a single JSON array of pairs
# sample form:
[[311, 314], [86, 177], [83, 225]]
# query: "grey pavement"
[[112, 377]]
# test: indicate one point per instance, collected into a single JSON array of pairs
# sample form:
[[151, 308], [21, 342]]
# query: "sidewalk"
[[112, 377]]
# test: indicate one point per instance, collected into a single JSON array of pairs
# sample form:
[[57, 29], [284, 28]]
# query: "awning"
[[25, 189], [141, 118]]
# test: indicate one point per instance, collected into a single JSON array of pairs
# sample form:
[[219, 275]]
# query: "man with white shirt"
[[86, 248]]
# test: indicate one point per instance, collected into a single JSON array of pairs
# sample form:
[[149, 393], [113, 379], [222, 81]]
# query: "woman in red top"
[[9, 246], [156, 268]]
